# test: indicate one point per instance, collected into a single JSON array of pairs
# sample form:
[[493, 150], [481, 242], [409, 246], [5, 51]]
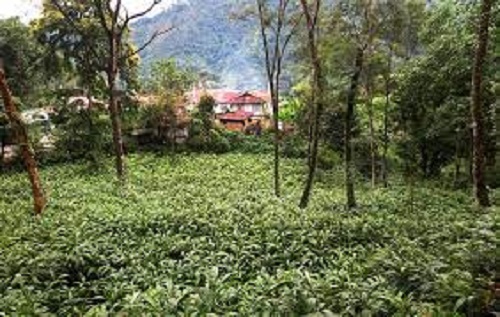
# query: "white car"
[[35, 116], [38, 116]]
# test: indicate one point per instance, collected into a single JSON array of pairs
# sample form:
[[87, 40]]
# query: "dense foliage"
[[77, 50], [82, 134], [204, 234], [433, 92], [20, 57]]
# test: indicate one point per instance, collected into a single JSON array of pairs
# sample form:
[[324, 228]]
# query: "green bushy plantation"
[[204, 234]]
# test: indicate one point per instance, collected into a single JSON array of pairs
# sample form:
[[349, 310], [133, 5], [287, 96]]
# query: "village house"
[[234, 109]]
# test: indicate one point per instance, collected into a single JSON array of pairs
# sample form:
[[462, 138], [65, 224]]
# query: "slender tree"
[[277, 27], [115, 21], [364, 36], [21, 135], [395, 17], [478, 125], [311, 12], [387, 88], [349, 124], [369, 89]]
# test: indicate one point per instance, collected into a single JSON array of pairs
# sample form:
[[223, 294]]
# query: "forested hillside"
[[207, 36]]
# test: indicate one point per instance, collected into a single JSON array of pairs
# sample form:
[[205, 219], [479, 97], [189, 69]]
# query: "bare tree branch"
[[153, 37], [116, 13], [143, 13], [129, 18], [277, 39], [316, 12], [260, 4], [289, 36]]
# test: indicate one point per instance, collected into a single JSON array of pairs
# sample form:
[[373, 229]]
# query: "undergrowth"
[[204, 234]]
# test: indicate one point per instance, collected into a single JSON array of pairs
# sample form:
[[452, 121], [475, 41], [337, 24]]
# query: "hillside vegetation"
[[209, 36]]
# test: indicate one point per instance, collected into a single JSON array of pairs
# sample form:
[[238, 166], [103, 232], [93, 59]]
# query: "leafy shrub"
[[294, 146], [251, 144], [150, 117], [218, 143], [204, 234], [492, 175], [363, 157], [206, 113], [203, 135], [222, 141], [215, 143], [132, 116], [84, 134], [328, 158], [290, 109]]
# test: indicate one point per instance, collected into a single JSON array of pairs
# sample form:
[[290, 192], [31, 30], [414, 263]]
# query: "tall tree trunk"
[[412, 190], [373, 148], [456, 177], [349, 125], [88, 114], [273, 61], [496, 133], [373, 154], [480, 189], [275, 105], [316, 118], [21, 135], [276, 101], [385, 166], [310, 128], [114, 110], [470, 156]]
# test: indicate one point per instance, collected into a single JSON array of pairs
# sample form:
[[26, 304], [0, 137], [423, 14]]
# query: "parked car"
[[33, 116], [38, 117]]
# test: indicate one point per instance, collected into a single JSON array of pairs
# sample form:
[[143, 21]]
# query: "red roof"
[[262, 94], [221, 96], [229, 96], [247, 99], [239, 115]]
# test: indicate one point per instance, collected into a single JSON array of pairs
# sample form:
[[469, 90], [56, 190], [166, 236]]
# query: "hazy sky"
[[29, 9]]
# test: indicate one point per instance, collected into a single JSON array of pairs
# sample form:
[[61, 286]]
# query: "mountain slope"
[[208, 38]]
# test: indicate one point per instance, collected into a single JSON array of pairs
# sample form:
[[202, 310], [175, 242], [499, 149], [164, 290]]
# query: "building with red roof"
[[236, 121], [247, 98], [235, 109]]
